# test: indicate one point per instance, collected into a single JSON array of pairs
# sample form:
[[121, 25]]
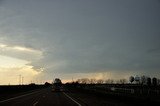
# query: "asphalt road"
[[46, 97], [43, 97]]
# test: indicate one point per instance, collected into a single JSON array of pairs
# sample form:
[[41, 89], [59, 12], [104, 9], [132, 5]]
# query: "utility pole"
[[19, 79], [72, 79], [22, 80]]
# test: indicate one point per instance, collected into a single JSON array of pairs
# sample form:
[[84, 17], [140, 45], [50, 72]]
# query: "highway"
[[46, 97], [43, 97]]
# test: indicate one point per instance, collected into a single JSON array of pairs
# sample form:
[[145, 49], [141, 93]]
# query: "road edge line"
[[72, 99], [35, 103], [18, 97]]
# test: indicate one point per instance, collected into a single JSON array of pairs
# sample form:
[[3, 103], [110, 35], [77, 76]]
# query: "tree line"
[[100, 81], [143, 80]]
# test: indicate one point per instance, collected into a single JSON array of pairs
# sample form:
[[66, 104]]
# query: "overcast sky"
[[78, 38]]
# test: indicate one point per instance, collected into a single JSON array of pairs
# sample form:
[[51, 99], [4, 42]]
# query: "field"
[[8, 91], [126, 92]]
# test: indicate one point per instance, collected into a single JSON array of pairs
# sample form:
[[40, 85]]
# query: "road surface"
[[43, 97], [46, 97]]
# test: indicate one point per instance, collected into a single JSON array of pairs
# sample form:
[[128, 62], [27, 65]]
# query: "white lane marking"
[[35, 103], [72, 99], [17, 97]]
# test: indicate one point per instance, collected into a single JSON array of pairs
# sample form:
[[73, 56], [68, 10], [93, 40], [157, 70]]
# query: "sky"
[[71, 39]]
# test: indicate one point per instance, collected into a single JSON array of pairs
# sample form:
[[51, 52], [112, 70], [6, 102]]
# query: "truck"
[[57, 85]]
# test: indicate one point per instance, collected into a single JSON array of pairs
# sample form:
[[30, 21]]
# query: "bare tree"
[[100, 81], [109, 81], [143, 79], [79, 81], [122, 81], [148, 81], [158, 81], [131, 79], [93, 81], [83, 81], [154, 81]]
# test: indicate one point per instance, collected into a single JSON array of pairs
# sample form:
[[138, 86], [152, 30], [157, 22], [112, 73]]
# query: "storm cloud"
[[85, 36]]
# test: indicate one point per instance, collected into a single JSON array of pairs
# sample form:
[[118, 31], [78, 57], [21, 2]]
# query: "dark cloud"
[[86, 36], [154, 50]]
